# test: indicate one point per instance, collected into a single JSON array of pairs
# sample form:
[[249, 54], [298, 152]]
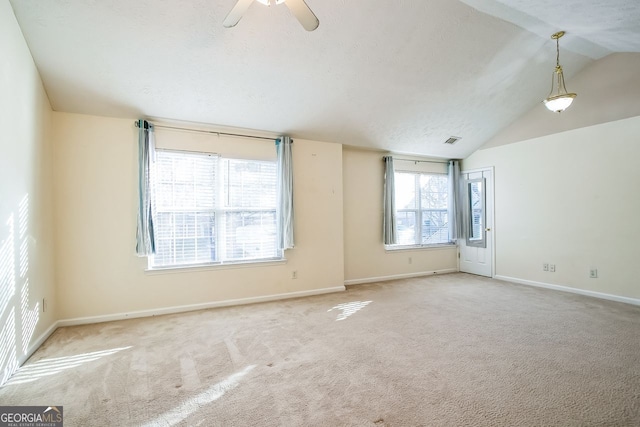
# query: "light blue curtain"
[[145, 243], [390, 228], [284, 207], [455, 205]]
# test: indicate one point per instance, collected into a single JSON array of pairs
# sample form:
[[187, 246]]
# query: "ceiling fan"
[[298, 7]]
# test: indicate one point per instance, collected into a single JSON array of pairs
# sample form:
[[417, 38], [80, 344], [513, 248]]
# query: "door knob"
[[487, 229]]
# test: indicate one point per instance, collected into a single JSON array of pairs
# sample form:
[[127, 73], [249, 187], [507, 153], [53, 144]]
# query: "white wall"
[[95, 189], [569, 199], [608, 90], [26, 255], [365, 256]]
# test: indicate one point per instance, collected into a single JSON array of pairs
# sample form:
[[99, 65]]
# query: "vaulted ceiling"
[[396, 75]]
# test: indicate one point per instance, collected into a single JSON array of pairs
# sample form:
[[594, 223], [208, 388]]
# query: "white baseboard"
[[398, 276], [194, 307], [35, 345], [38, 342], [593, 294]]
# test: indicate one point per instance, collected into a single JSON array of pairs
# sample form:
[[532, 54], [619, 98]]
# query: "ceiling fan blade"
[[236, 13], [302, 12]]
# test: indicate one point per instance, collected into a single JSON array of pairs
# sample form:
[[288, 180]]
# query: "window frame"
[[219, 211], [419, 211]]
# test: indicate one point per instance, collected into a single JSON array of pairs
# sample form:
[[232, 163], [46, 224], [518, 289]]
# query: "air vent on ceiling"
[[452, 140]]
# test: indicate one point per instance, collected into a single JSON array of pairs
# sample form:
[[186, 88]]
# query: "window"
[[210, 209], [476, 213], [422, 202]]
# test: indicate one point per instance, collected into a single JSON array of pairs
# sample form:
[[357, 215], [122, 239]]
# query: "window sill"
[[218, 266], [438, 246]]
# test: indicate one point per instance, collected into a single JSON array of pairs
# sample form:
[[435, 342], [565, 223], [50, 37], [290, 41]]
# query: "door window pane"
[[476, 210]]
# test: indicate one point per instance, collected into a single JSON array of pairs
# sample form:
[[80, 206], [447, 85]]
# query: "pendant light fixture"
[[558, 100]]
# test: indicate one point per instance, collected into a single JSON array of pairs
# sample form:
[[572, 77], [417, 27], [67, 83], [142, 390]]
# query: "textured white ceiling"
[[398, 75], [596, 28]]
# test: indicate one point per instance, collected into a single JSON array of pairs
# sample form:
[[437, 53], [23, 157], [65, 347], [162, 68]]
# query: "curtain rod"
[[421, 161], [210, 131]]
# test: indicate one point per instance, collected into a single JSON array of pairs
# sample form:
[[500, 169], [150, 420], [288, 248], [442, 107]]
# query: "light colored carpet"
[[451, 350]]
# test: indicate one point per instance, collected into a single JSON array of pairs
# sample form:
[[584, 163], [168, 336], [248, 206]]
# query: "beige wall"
[[95, 188], [26, 254], [569, 199], [365, 256]]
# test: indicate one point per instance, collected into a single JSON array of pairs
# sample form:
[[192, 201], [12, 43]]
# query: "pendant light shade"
[[559, 99]]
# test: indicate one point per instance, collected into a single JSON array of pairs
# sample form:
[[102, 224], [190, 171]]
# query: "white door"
[[476, 248]]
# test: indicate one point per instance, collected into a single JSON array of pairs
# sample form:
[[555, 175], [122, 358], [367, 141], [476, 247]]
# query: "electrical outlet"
[[593, 273], [410, 260], [552, 268], [294, 274], [545, 267]]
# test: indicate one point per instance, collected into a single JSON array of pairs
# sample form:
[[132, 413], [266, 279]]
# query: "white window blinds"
[[213, 210], [249, 189]]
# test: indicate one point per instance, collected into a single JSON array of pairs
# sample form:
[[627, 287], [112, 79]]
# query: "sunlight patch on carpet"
[[46, 367], [193, 404], [349, 308]]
